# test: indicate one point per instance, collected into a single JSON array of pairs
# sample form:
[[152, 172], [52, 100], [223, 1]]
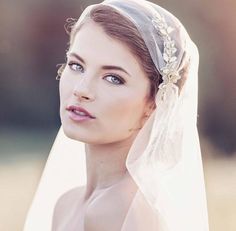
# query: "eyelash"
[[77, 64], [121, 80], [117, 77]]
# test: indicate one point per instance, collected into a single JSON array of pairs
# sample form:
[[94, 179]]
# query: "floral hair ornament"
[[169, 72], [164, 160]]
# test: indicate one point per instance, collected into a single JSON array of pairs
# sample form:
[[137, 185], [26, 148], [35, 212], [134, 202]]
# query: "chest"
[[103, 213], [106, 214]]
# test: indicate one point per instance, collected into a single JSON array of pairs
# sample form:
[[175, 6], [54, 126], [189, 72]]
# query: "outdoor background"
[[33, 41]]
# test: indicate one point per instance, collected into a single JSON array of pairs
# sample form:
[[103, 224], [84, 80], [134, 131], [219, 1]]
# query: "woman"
[[128, 94]]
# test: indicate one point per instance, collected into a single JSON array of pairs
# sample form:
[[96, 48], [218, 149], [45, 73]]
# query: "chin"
[[80, 135], [74, 134]]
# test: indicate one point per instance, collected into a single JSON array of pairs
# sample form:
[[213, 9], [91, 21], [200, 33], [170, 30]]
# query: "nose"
[[83, 91]]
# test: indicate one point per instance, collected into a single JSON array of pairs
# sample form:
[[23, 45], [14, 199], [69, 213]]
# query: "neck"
[[106, 165]]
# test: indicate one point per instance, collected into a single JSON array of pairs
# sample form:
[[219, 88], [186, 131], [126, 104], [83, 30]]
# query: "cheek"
[[65, 89], [125, 109]]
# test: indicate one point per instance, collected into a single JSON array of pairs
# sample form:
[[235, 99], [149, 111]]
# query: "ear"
[[150, 107]]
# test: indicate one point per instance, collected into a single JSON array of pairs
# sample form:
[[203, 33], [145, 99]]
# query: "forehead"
[[92, 41]]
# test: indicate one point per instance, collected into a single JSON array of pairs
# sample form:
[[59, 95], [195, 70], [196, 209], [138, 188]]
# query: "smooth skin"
[[103, 77]]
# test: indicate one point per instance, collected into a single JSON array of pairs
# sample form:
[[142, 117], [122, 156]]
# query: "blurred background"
[[33, 41]]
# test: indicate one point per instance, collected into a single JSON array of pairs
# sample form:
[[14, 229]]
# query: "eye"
[[117, 80], [76, 67]]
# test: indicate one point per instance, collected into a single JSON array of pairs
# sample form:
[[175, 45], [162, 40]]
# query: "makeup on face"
[[103, 89], [79, 114]]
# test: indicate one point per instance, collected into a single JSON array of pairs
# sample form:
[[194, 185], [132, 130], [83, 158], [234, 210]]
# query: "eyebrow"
[[106, 67]]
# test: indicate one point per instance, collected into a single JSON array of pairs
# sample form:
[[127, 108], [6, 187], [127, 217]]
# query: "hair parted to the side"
[[121, 28]]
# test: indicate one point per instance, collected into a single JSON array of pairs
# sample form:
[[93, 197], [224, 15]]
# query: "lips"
[[80, 112]]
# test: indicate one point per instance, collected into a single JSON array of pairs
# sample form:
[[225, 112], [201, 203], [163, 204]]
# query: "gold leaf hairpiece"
[[169, 72]]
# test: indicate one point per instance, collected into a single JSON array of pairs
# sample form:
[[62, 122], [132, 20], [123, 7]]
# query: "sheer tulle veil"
[[165, 158]]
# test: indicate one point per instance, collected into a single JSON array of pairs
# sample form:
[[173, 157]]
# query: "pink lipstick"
[[79, 114]]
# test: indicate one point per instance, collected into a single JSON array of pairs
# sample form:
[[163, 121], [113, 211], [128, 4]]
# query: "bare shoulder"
[[70, 197], [67, 202]]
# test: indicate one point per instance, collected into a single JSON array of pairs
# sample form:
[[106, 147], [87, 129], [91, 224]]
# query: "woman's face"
[[104, 78]]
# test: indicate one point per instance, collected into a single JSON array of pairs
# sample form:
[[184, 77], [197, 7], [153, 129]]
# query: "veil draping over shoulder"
[[165, 158]]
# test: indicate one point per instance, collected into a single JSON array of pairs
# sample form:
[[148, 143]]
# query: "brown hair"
[[119, 27]]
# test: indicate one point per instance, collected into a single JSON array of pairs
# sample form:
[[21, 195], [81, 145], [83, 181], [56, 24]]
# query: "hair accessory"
[[164, 160], [169, 73]]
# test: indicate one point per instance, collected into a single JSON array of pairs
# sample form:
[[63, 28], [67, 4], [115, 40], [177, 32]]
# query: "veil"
[[165, 158]]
